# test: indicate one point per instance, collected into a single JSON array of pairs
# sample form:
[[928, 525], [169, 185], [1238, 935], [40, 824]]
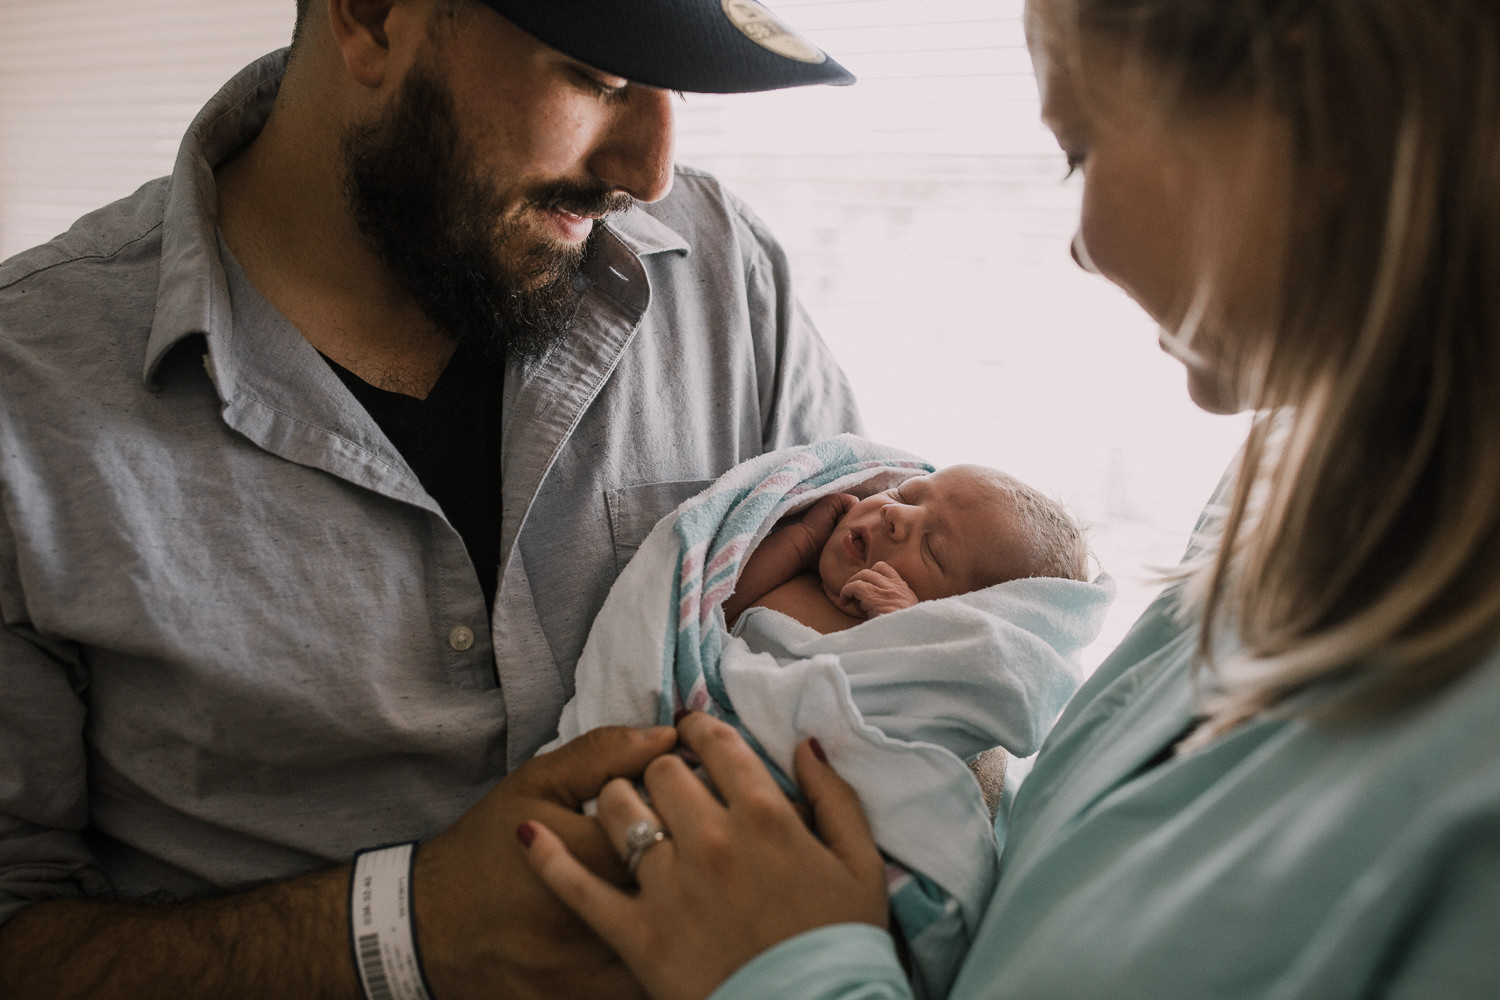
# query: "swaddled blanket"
[[897, 702]]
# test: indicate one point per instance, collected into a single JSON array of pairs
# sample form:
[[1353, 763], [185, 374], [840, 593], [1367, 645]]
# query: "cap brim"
[[699, 46]]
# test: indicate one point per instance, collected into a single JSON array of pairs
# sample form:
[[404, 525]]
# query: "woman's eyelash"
[[1075, 163]]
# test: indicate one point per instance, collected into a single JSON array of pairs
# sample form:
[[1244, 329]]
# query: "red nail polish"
[[526, 833], [817, 749]]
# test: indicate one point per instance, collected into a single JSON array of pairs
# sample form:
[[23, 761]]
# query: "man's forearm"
[[288, 939]]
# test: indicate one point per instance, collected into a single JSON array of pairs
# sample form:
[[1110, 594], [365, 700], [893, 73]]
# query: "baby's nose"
[[898, 518]]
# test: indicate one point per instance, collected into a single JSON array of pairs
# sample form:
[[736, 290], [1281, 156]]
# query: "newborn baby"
[[901, 704], [957, 530]]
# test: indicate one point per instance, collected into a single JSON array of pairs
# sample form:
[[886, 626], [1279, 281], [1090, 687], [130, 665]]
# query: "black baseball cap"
[[699, 46]]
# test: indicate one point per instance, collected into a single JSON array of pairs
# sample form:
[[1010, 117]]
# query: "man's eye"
[[599, 87]]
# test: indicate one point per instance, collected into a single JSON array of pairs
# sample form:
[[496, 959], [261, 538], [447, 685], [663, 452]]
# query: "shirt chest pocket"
[[634, 511]]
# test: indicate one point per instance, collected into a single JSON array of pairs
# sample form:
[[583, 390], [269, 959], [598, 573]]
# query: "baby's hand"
[[810, 534], [822, 517], [878, 590]]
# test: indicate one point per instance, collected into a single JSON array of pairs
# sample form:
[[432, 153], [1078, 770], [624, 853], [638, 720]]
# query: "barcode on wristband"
[[376, 983]]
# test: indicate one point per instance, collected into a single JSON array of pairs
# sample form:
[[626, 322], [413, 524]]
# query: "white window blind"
[[923, 210], [95, 95]]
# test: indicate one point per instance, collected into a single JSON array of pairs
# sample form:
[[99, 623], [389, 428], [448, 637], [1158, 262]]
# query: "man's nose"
[[636, 154]]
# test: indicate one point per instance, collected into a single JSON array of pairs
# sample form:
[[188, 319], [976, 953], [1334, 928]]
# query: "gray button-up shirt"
[[239, 639]]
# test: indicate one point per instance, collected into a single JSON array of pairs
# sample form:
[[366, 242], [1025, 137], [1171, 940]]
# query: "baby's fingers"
[[825, 514], [867, 583], [840, 502], [856, 592]]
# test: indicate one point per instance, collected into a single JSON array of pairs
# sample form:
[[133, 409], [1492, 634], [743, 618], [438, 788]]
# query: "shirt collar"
[[644, 234], [186, 303]]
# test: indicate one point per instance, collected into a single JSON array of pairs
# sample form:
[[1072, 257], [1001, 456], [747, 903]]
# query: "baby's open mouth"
[[859, 544]]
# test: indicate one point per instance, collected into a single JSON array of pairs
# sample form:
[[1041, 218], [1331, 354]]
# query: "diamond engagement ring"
[[639, 839]]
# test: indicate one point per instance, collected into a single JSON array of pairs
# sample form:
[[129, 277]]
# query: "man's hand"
[[878, 590], [486, 926]]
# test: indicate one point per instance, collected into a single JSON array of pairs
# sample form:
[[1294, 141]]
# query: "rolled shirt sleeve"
[[43, 777]]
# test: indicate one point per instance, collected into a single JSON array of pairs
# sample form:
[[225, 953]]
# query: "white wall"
[[95, 94], [923, 208]]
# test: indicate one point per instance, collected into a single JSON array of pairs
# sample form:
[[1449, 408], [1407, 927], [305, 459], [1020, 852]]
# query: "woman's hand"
[[734, 877], [878, 590], [486, 927]]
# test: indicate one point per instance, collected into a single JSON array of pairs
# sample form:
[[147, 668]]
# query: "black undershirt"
[[451, 440]]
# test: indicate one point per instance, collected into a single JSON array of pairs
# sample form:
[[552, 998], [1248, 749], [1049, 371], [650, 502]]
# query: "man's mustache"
[[593, 200]]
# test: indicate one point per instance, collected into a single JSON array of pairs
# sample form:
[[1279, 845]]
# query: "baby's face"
[[940, 532]]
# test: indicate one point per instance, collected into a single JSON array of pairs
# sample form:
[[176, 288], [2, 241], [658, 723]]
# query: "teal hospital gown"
[[1288, 859]]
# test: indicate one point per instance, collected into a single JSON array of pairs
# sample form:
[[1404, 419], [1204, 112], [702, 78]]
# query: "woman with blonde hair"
[[1286, 781]]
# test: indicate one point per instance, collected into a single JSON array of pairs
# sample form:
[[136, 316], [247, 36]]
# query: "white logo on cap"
[[768, 31]]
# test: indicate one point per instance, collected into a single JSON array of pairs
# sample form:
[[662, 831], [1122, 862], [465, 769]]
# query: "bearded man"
[[317, 458]]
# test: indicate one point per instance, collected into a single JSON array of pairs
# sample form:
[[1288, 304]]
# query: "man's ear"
[[361, 30]]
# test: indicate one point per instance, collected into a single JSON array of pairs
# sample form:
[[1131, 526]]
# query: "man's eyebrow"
[[606, 79]]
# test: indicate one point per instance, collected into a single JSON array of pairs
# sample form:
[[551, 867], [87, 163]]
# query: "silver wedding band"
[[639, 839]]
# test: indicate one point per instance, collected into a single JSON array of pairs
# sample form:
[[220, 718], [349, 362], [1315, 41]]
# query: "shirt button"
[[461, 638]]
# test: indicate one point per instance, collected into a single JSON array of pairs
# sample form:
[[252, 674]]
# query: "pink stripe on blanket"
[[698, 698], [716, 595], [690, 565], [896, 877], [729, 554], [798, 468], [777, 483], [689, 585]]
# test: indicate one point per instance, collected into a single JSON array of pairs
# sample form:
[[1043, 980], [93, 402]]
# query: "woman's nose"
[[1081, 254]]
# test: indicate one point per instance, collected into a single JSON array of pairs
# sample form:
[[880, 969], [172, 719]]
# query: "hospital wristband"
[[380, 925]]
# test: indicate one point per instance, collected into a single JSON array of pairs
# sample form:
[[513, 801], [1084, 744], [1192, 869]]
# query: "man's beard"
[[436, 224]]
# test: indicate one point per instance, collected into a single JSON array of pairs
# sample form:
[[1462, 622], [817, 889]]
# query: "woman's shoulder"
[[1446, 745]]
